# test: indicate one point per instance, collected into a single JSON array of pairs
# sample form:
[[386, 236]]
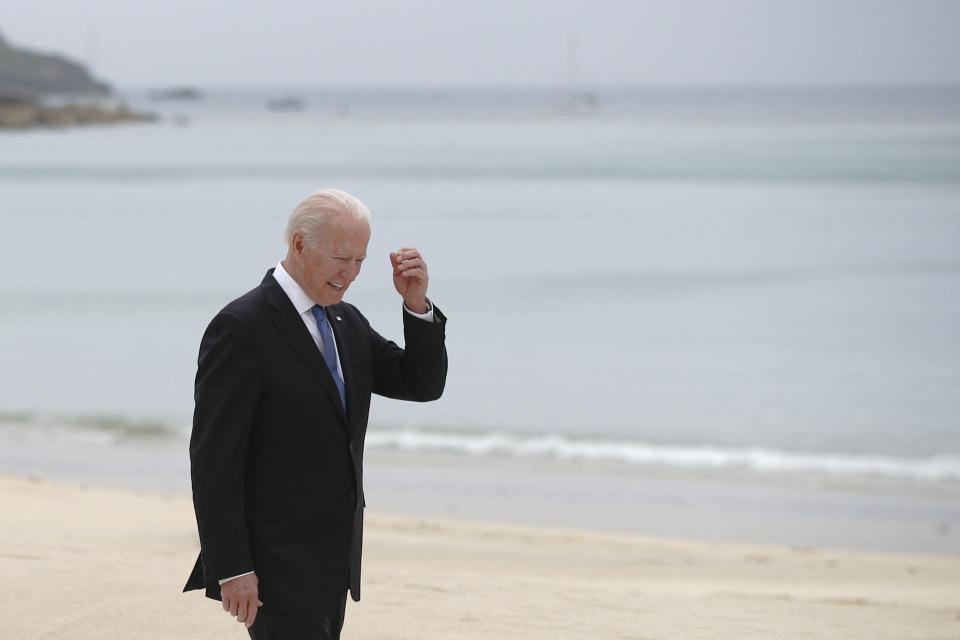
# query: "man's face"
[[325, 267]]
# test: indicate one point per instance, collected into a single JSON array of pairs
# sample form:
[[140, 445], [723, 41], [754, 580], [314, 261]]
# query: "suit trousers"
[[323, 624]]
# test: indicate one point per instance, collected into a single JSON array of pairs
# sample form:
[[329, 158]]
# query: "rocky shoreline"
[[50, 90], [17, 114]]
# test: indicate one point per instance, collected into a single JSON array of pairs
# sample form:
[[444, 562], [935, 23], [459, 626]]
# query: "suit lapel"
[[290, 326]]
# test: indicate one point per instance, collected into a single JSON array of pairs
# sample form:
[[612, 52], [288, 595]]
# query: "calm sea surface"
[[754, 279]]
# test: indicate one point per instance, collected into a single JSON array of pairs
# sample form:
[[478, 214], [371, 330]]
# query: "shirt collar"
[[301, 301]]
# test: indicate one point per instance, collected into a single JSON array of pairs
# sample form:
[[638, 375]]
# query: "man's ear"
[[296, 243]]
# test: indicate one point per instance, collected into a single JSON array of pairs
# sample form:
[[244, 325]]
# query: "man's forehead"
[[346, 225], [344, 244]]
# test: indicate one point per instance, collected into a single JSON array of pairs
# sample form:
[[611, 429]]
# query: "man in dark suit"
[[282, 395]]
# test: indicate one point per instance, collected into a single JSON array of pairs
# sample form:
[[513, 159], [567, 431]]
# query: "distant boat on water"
[[578, 104], [286, 103]]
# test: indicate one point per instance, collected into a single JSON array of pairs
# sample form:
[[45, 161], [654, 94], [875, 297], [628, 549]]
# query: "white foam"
[[754, 459]]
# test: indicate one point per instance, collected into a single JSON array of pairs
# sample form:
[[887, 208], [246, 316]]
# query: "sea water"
[[757, 280]]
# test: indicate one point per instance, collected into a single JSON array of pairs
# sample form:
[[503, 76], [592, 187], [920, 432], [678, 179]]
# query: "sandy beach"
[[82, 562]]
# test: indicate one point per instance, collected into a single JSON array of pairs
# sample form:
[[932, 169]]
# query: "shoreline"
[[787, 510], [27, 115], [134, 549], [782, 509]]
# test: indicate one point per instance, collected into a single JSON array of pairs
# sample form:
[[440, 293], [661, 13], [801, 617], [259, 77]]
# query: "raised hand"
[[410, 278]]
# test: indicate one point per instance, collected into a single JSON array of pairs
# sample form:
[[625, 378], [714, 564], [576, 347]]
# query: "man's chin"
[[331, 296]]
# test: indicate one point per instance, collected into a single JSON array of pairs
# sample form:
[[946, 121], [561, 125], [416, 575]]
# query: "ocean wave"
[[939, 469], [89, 429], [110, 430]]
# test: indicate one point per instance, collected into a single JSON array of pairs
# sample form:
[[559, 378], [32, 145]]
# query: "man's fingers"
[[252, 614], [415, 263], [240, 596], [236, 606], [242, 608], [404, 254], [407, 264], [252, 609], [413, 273]]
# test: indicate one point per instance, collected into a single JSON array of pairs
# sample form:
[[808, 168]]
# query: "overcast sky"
[[497, 42]]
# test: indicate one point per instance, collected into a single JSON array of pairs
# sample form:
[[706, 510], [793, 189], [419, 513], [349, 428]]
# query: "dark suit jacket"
[[276, 463]]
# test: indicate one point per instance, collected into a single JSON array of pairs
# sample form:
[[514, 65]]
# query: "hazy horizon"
[[424, 43], [953, 85]]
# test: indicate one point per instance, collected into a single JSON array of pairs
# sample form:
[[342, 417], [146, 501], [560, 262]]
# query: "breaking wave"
[[940, 469]]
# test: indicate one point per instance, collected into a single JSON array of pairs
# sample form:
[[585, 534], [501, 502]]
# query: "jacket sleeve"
[[418, 371], [226, 394]]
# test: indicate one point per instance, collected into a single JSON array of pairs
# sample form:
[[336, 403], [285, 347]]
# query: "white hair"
[[319, 208]]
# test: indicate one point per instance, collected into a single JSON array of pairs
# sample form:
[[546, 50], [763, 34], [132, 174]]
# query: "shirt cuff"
[[428, 316], [239, 575]]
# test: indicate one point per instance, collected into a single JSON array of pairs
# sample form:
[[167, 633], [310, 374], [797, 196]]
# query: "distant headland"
[[47, 90]]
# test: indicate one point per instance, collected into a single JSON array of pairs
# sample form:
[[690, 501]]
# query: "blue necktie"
[[329, 349]]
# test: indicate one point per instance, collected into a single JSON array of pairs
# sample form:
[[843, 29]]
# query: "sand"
[[93, 563]]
